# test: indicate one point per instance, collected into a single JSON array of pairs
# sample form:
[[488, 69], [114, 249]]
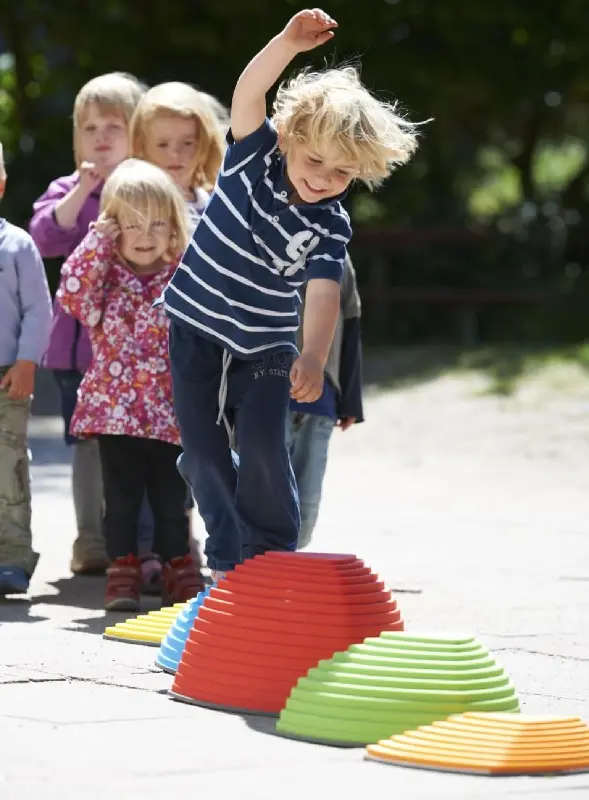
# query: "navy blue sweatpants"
[[254, 508]]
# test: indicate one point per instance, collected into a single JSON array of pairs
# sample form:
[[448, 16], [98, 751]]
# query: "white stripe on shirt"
[[254, 309], [234, 275], [287, 343], [317, 227]]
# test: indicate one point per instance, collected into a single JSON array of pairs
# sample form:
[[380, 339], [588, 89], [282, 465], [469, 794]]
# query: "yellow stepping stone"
[[491, 744], [148, 628]]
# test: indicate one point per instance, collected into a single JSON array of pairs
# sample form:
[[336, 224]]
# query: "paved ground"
[[497, 553]]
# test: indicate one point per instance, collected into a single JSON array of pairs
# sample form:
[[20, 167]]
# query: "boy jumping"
[[274, 222]]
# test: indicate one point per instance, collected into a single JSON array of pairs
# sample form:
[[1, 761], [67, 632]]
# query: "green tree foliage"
[[506, 82]]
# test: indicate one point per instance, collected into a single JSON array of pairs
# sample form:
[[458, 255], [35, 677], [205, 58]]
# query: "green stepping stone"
[[393, 683]]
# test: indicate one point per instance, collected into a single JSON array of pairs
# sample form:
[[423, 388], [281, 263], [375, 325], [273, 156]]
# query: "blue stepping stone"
[[172, 646]]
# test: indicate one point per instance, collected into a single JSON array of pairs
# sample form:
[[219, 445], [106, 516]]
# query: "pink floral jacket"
[[127, 389]]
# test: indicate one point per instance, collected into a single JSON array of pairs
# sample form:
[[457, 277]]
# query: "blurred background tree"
[[484, 236]]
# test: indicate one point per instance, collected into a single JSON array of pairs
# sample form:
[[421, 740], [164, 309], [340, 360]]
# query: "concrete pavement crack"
[[544, 634], [33, 680], [78, 679], [539, 653], [116, 685], [555, 697]]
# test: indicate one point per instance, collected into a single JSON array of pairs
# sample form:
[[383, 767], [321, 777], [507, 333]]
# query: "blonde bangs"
[[333, 108], [139, 189], [179, 100]]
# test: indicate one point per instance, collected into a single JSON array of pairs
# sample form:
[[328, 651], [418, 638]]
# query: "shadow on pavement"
[[97, 625], [261, 724], [76, 592], [267, 725], [18, 609]]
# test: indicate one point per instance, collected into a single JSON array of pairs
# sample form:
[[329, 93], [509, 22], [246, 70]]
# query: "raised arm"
[[55, 226], [305, 31], [81, 289]]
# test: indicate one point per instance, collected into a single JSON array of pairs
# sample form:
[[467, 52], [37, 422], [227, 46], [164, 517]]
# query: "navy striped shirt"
[[238, 281]]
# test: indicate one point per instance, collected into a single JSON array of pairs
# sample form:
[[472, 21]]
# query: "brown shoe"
[[123, 584], [181, 580], [88, 558]]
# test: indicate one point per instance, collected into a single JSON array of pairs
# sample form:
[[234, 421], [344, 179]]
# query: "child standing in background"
[[310, 425], [102, 113], [274, 222], [109, 284], [181, 130], [177, 128], [25, 320]]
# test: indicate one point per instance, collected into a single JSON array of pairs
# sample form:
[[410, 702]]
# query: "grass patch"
[[507, 367]]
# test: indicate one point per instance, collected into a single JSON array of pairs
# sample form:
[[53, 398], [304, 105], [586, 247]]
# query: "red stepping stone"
[[271, 620]]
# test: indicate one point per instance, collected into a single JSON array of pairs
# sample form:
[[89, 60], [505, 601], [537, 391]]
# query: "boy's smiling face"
[[318, 174]]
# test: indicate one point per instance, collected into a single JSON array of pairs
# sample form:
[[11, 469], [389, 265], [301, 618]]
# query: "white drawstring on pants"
[[227, 359]]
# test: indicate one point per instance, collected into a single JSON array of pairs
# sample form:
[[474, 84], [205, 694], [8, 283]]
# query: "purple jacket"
[[69, 345]]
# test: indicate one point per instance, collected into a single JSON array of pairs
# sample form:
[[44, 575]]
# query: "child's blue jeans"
[[307, 439], [255, 509]]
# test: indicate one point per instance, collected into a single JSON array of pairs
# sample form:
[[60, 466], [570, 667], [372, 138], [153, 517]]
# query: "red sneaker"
[[123, 584], [181, 580]]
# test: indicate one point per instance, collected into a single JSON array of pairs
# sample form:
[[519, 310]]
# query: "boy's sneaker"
[[151, 574], [181, 580], [13, 580], [123, 584]]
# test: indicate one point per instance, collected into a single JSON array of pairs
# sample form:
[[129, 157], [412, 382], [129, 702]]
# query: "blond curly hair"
[[333, 107]]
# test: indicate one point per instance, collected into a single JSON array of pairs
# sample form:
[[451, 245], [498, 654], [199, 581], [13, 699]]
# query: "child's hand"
[[108, 227], [20, 380], [90, 176], [345, 423], [306, 377], [308, 29]]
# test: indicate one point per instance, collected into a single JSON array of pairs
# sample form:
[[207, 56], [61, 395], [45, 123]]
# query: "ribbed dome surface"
[[496, 744], [172, 646], [393, 683], [272, 619], [146, 628]]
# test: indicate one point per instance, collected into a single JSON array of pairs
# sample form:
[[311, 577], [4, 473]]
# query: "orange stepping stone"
[[272, 619], [491, 744]]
